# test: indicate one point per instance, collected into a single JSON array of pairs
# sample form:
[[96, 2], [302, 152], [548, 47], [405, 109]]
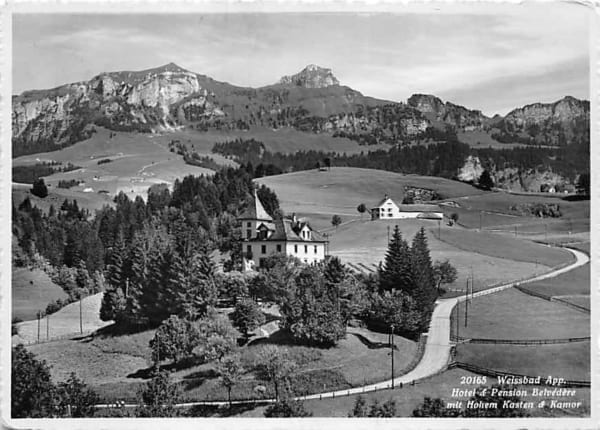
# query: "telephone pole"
[[392, 351], [466, 302], [80, 315], [39, 315]]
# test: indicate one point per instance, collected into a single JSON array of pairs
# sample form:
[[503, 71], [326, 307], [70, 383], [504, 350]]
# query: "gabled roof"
[[255, 210], [383, 201], [287, 230]]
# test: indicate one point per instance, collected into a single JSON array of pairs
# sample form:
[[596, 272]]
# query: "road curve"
[[437, 348]]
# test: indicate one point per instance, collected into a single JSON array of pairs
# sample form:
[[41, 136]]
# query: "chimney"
[[386, 196], [294, 219]]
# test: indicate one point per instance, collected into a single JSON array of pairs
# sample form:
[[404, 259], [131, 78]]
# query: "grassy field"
[[365, 244], [492, 211], [502, 246], [411, 397], [573, 282], [569, 360], [138, 161], [342, 189], [362, 357], [65, 322], [583, 301], [56, 197], [32, 290], [511, 314]]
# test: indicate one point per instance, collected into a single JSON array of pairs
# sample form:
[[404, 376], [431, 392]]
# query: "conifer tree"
[[397, 273], [424, 279]]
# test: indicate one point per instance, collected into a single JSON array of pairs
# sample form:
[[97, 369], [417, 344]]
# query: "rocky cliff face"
[[122, 100], [515, 179], [457, 116], [312, 76], [562, 122]]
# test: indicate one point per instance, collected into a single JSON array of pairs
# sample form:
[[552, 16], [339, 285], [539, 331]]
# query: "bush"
[[39, 188]]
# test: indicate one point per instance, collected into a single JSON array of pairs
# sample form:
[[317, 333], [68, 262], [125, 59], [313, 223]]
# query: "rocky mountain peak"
[[312, 76]]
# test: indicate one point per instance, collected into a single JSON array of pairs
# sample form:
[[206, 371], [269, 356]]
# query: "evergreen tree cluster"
[[407, 286], [155, 255]]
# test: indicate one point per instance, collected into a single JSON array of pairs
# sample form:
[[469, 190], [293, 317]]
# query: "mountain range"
[[313, 101]]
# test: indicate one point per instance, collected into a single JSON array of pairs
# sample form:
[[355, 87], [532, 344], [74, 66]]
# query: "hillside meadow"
[[341, 189], [511, 314], [32, 290]]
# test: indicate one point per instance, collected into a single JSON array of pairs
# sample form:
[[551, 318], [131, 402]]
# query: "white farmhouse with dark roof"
[[263, 236], [388, 209]]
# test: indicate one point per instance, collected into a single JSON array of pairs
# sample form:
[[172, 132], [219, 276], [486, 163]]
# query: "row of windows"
[[263, 249]]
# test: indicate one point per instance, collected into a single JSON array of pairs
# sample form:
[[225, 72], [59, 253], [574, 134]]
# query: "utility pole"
[[515, 231], [466, 302], [439, 229], [457, 320], [480, 221], [80, 315], [545, 232], [48, 327], [392, 351], [388, 234], [39, 314]]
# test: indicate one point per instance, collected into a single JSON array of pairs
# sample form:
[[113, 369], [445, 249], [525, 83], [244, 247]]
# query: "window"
[[306, 249], [261, 262], [249, 234], [263, 249], [315, 249], [295, 249], [249, 225], [278, 248], [249, 249]]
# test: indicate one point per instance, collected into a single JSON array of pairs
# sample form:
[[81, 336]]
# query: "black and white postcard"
[[297, 211]]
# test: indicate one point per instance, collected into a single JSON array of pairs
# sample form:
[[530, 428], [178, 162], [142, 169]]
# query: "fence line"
[[492, 372], [519, 341], [571, 305], [57, 338]]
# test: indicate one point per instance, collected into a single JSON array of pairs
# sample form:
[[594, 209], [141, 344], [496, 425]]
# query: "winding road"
[[437, 348]]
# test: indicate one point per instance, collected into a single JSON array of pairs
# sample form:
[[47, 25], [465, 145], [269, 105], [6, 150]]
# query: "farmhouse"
[[263, 236], [388, 209]]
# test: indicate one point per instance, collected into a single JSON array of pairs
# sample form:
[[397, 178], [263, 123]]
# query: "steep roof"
[[382, 202], [256, 210], [287, 230]]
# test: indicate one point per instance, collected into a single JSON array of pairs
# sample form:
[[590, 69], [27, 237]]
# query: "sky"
[[494, 61]]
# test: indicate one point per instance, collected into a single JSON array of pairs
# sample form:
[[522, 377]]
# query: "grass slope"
[[32, 290], [342, 189], [576, 281], [511, 314], [365, 243], [411, 397], [65, 322], [502, 246], [569, 360], [56, 197]]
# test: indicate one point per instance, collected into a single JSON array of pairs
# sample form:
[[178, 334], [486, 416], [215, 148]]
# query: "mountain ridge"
[[313, 100]]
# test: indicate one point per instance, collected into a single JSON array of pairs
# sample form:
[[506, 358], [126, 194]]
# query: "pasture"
[[503, 246], [365, 244], [576, 281], [56, 196], [411, 397], [491, 210], [32, 290], [64, 322], [567, 360], [361, 358], [137, 162], [511, 314], [340, 190]]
